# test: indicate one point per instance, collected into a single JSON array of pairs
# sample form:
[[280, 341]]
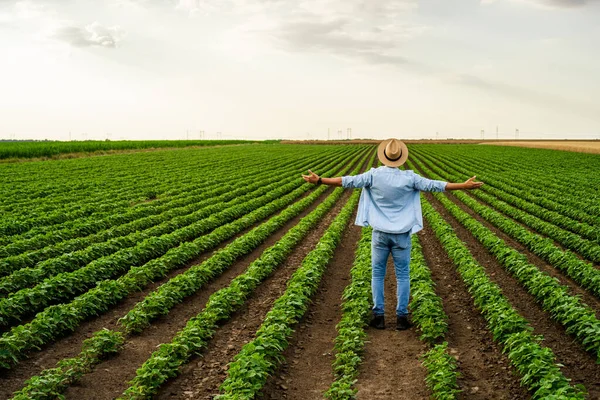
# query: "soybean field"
[[218, 273]]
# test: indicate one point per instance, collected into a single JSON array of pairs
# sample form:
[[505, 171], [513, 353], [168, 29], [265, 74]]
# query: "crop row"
[[134, 232], [558, 201], [155, 371], [81, 206], [248, 372], [159, 184], [64, 285], [546, 212], [568, 169], [428, 314], [166, 185], [122, 180], [70, 196], [52, 181], [174, 291], [220, 305], [531, 169], [580, 271], [426, 306], [213, 184], [442, 375], [578, 318], [536, 364], [182, 229], [52, 382], [60, 319], [351, 336], [567, 236]]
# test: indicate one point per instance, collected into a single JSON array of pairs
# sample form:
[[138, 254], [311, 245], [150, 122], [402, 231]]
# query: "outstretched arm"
[[314, 178], [468, 184]]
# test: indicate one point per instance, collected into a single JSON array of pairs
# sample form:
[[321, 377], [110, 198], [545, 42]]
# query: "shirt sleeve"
[[428, 185], [358, 181]]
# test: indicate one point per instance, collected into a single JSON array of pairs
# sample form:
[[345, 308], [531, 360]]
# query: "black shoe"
[[402, 323], [378, 322]]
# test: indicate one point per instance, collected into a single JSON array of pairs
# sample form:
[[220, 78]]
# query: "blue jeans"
[[382, 244]]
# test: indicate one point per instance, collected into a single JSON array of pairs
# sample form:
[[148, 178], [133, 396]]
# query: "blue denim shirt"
[[390, 201]]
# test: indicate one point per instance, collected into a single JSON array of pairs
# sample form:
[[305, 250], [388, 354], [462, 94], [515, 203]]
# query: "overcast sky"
[[150, 69]]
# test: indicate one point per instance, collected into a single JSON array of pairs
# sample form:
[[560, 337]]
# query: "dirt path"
[[391, 368], [307, 372], [485, 372], [200, 379], [580, 366]]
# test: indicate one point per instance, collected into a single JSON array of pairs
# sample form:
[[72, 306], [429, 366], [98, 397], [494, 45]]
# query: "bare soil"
[[587, 297], [70, 345], [391, 368], [580, 146], [117, 371], [579, 365], [485, 373], [201, 378], [307, 372]]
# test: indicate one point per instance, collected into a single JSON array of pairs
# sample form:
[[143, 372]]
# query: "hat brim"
[[385, 161]]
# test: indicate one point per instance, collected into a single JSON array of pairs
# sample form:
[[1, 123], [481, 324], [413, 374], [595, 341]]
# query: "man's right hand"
[[471, 184], [312, 178]]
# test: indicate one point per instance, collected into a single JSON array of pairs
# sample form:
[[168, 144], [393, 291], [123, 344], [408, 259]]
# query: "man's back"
[[390, 200]]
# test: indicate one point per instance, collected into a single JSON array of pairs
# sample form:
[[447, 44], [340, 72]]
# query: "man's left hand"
[[471, 184]]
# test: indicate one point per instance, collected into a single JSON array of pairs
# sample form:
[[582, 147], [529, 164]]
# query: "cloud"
[[27, 9], [365, 30], [566, 3], [550, 4], [94, 34]]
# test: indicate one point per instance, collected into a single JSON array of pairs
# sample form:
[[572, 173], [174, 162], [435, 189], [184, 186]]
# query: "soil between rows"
[[587, 297], [579, 365], [391, 368], [556, 243], [70, 346], [115, 373], [307, 371], [201, 378], [485, 373]]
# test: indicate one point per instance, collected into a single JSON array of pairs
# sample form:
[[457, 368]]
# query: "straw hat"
[[392, 152]]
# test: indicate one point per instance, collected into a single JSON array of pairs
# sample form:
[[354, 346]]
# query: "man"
[[391, 204]]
